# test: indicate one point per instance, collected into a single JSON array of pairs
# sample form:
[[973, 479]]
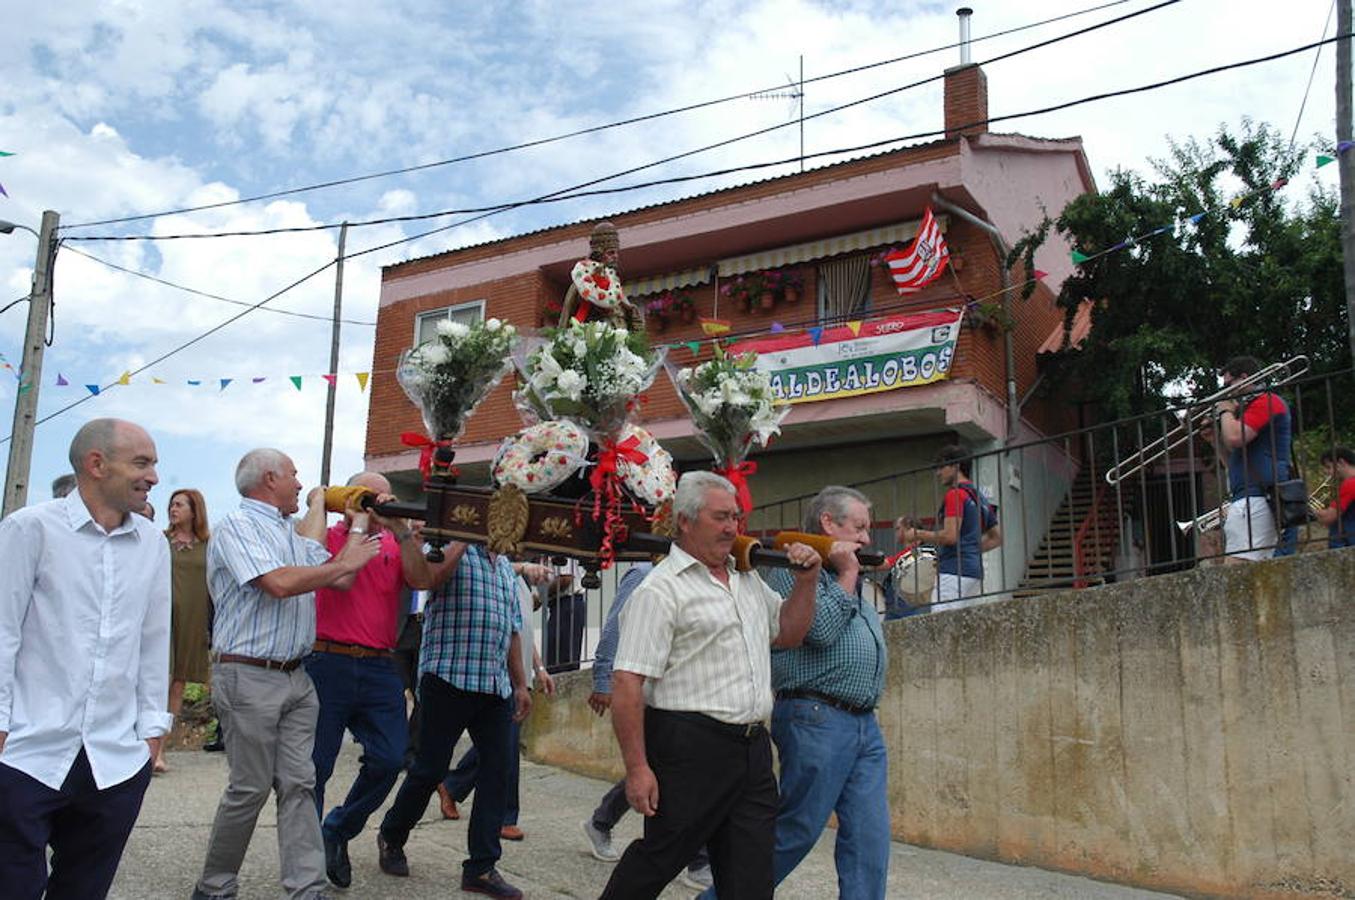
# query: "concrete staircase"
[[1054, 566]]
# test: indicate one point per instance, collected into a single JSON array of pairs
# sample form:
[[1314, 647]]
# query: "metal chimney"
[[964, 12]]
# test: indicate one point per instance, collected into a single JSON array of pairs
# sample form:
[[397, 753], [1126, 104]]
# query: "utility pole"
[[333, 360], [1345, 161], [35, 341]]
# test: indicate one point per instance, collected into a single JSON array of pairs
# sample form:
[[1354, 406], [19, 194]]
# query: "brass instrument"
[[1317, 503], [1202, 412], [1214, 518]]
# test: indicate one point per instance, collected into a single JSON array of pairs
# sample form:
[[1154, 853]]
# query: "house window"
[[426, 323]]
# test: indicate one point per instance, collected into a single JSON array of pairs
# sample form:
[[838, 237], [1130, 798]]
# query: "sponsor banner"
[[859, 357]]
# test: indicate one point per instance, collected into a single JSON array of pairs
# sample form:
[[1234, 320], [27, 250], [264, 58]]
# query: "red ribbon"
[[581, 311], [738, 476], [607, 491], [427, 447]]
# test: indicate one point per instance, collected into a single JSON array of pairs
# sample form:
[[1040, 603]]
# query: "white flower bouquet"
[[731, 404], [448, 376], [589, 373]]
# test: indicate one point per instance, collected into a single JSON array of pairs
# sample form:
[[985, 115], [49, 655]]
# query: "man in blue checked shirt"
[[598, 827], [823, 723], [471, 679]]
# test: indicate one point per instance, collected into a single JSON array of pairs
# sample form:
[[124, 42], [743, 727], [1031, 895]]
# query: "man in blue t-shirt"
[[969, 528]]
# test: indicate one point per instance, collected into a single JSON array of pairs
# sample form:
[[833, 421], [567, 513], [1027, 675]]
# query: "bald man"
[[84, 669], [355, 675]]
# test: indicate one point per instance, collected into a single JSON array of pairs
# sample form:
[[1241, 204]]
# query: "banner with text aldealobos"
[[859, 358]]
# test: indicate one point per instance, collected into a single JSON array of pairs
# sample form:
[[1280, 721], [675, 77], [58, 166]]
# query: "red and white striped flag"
[[923, 262]]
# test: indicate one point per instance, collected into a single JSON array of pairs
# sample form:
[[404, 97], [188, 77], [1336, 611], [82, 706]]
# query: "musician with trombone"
[[1254, 430], [969, 528], [1339, 517]]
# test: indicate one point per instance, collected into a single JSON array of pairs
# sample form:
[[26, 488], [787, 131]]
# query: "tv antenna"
[[795, 93]]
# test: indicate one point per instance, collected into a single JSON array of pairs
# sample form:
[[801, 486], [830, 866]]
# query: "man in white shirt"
[[84, 669], [691, 694]]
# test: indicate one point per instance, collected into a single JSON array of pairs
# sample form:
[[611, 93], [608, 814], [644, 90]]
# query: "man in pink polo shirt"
[[356, 679]]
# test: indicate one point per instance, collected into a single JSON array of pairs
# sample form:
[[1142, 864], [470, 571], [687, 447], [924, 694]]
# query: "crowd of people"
[[307, 631]]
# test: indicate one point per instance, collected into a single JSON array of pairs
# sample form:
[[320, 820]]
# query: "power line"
[[13, 303], [1317, 57], [544, 198], [1054, 108], [195, 291], [580, 132]]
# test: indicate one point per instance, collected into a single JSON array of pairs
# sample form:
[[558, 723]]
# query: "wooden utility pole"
[[330, 394], [1345, 160], [35, 341]]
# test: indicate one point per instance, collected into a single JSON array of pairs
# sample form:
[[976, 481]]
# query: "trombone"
[[1214, 518], [1201, 412]]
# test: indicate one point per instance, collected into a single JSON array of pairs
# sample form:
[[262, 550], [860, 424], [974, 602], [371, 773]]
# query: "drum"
[[914, 576]]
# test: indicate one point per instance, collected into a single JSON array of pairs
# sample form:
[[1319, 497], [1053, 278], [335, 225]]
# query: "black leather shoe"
[[490, 883], [391, 859], [337, 867]]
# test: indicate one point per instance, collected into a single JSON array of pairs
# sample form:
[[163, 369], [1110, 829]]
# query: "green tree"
[[1261, 276]]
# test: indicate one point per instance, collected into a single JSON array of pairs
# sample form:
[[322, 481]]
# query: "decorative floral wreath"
[[541, 457], [597, 283], [653, 481]]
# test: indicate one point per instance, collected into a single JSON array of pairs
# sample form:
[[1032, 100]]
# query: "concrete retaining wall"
[[1190, 732]]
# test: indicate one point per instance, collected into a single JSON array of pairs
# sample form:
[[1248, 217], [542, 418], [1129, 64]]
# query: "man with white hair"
[[262, 571], [691, 694], [84, 669]]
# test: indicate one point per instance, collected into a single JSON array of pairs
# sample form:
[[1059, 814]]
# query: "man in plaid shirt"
[[471, 679]]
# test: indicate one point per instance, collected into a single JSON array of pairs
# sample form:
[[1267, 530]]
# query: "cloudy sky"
[[118, 108]]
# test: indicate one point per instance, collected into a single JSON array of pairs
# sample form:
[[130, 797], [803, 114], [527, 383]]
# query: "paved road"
[[165, 853]]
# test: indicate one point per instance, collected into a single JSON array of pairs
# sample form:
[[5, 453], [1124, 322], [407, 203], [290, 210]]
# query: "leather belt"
[[744, 732], [355, 650], [281, 666], [826, 700]]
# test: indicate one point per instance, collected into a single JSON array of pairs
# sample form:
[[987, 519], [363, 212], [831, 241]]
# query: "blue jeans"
[[832, 761], [461, 780], [366, 697]]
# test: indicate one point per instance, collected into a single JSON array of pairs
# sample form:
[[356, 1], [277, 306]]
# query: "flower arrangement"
[[448, 376], [762, 289], [671, 304], [590, 373], [731, 404]]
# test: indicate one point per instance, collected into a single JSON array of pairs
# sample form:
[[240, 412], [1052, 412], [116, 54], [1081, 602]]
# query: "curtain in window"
[[845, 286]]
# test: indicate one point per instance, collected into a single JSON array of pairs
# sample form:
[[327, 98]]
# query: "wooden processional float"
[[509, 521]]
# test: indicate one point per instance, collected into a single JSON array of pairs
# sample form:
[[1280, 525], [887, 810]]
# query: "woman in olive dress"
[[189, 648]]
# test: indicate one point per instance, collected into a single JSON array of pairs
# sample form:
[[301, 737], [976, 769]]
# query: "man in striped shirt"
[[691, 693], [262, 572]]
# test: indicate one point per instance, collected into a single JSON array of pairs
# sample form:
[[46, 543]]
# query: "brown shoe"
[[511, 833], [447, 804]]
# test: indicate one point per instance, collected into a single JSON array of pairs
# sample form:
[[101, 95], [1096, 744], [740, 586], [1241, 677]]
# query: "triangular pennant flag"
[[854, 328], [694, 347], [93, 389], [1079, 258], [1197, 217], [125, 378], [1343, 146], [332, 379], [362, 380], [155, 380], [194, 382], [5, 153], [224, 382], [61, 380], [1323, 159], [816, 334], [259, 379], [1279, 183], [777, 328], [3, 191], [1038, 274], [25, 387], [1236, 202], [296, 380], [714, 326]]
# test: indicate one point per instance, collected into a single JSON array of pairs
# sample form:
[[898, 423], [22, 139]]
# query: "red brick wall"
[[966, 100]]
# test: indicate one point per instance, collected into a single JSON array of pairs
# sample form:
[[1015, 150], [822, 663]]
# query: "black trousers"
[[715, 789], [566, 618], [406, 656], [87, 829]]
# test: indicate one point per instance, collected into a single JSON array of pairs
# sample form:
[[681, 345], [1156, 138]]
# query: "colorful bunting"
[[93, 389], [1343, 146], [715, 326], [3, 191], [1079, 258], [694, 347], [362, 380], [777, 328], [296, 380], [259, 379], [1039, 275], [61, 380], [25, 387], [816, 334], [5, 153], [194, 383], [125, 378], [1323, 159], [224, 382], [332, 379], [854, 328], [155, 380]]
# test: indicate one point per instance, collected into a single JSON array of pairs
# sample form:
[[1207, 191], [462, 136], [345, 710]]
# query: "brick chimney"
[[966, 88]]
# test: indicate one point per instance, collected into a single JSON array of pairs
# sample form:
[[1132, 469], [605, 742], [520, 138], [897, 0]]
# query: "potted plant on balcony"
[[792, 285], [771, 284], [684, 305], [659, 307]]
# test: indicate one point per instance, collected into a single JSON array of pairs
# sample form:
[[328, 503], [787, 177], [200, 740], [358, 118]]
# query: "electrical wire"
[[13, 303], [1317, 57], [583, 131], [658, 162], [195, 291]]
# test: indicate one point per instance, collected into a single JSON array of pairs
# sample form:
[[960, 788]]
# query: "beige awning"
[[833, 246], [671, 281]]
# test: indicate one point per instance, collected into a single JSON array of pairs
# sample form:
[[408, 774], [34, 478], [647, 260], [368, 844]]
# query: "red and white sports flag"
[[923, 262]]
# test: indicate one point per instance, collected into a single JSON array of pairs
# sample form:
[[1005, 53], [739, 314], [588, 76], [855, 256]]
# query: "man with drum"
[[969, 529]]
